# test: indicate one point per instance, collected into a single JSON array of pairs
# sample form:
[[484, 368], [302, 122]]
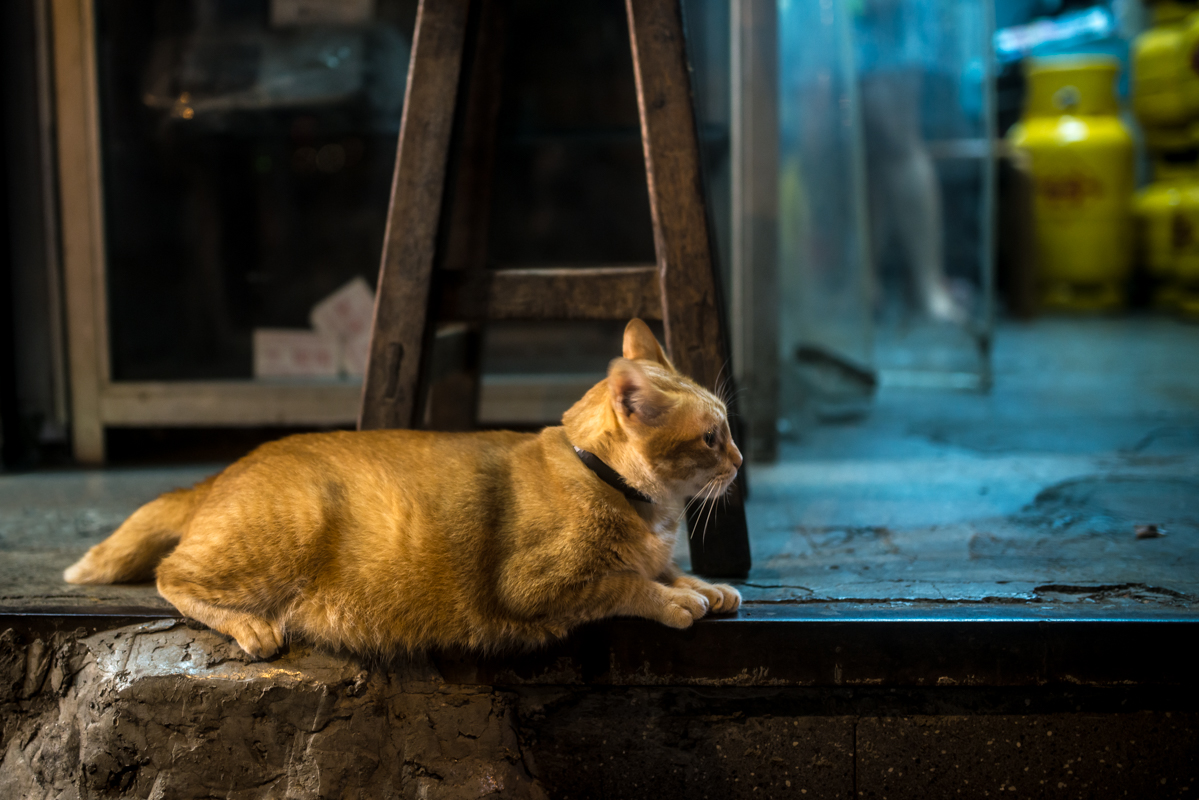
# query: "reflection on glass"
[[825, 329], [247, 153], [886, 186], [924, 68]]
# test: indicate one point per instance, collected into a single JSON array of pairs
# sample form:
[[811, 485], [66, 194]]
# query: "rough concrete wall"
[[683, 743], [744, 743], [164, 711]]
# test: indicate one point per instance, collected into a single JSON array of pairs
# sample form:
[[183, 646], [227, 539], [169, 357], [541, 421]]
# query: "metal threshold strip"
[[807, 645]]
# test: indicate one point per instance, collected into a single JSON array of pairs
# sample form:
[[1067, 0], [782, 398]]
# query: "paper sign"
[[354, 354], [321, 12], [287, 353], [346, 314]]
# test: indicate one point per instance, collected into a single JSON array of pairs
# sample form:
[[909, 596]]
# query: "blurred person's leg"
[[904, 188]]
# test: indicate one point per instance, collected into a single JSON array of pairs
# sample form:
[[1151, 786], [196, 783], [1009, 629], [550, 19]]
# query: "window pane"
[[247, 152]]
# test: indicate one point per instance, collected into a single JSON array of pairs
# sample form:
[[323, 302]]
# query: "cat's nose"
[[735, 455]]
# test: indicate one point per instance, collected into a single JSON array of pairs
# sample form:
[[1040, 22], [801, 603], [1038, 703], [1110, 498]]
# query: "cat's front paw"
[[730, 599], [722, 598], [683, 606]]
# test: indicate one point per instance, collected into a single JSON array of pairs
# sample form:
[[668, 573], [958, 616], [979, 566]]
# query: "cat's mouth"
[[721, 484], [716, 487]]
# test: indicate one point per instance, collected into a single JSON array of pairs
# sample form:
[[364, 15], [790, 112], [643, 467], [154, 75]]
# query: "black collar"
[[609, 475]]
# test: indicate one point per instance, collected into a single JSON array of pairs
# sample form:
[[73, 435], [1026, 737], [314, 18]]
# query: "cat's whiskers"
[[721, 496], [694, 498], [730, 398], [707, 495], [722, 380], [711, 507], [702, 496]]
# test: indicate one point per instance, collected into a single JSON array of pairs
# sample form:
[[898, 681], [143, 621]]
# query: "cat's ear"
[[639, 342], [634, 396]]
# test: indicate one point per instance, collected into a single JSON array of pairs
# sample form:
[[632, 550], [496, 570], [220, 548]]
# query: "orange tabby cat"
[[396, 539]]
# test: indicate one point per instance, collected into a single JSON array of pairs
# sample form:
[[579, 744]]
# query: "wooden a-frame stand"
[[434, 254]]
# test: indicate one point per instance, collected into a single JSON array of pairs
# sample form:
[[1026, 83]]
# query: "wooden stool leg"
[[691, 303], [400, 338], [468, 199], [462, 245]]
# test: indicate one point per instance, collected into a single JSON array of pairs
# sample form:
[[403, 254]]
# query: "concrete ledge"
[[815, 645], [848, 647], [162, 710]]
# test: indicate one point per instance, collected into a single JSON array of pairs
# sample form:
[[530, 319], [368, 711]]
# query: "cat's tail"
[[133, 551]]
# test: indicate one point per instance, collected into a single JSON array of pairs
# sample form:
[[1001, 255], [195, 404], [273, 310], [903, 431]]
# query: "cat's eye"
[[710, 438]]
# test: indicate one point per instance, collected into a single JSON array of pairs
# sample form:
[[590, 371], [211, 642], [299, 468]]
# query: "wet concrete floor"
[[1028, 495]]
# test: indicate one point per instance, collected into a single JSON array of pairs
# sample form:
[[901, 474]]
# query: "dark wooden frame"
[[434, 254]]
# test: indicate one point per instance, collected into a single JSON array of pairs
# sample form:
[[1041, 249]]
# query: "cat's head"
[[667, 435]]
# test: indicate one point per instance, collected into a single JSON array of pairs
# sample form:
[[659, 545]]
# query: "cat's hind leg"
[[257, 635]]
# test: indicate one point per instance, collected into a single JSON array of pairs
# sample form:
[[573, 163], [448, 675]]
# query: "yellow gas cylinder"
[[1081, 156], [1162, 230], [1180, 287], [1165, 90], [1155, 208], [1190, 58]]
